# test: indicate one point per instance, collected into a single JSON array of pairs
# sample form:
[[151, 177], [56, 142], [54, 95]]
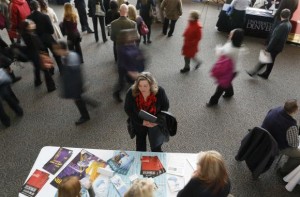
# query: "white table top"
[[48, 152]]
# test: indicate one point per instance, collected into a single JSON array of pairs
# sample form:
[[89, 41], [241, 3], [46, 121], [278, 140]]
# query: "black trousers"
[[37, 72], [82, 17], [95, 24], [269, 68], [218, 93], [8, 95], [166, 26], [147, 37], [81, 105], [141, 142]]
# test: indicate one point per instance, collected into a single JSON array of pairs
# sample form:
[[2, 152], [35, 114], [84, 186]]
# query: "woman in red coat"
[[192, 35]]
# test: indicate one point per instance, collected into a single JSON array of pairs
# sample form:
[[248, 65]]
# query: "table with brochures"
[[169, 171]]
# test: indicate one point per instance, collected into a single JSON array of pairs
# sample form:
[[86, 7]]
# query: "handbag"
[[99, 11], [130, 128], [144, 29]]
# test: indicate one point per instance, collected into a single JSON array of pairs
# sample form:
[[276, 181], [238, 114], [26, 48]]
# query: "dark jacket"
[[277, 122], [279, 36], [44, 28], [145, 10], [292, 5], [92, 7], [258, 149], [196, 188], [120, 24]]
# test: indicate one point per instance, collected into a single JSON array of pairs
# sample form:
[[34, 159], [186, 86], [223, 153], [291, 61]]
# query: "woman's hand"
[[149, 124]]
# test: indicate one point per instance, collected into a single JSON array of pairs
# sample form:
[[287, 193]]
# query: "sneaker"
[[227, 96], [198, 65], [184, 70], [37, 83]]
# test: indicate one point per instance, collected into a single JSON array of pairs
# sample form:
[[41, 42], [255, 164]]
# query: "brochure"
[[58, 160], [176, 166], [119, 185], [175, 183], [77, 167], [121, 162], [34, 183], [151, 166]]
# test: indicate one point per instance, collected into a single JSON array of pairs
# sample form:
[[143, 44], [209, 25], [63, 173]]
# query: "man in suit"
[[117, 26], [81, 9], [44, 30], [281, 124], [276, 44]]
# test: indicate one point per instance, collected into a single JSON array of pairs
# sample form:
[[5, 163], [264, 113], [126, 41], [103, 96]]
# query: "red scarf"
[[148, 105]]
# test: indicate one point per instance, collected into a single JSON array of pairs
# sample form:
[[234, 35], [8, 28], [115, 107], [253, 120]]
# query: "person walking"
[[224, 70], [192, 36], [97, 12], [173, 10], [81, 6], [146, 95], [146, 12], [275, 46]]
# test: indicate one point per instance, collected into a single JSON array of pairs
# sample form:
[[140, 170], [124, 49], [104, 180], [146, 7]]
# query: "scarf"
[[148, 105]]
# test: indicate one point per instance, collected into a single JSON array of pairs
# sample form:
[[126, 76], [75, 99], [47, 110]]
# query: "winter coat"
[[19, 10], [192, 35], [172, 8], [222, 71]]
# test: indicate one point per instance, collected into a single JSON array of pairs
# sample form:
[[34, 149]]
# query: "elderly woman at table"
[[141, 188], [210, 179], [238, 13], [146, 95]]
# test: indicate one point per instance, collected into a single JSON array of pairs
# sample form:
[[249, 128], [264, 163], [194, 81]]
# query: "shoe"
[[164, 33], [149, 41], [51, 89], [20, 113], [144, 42], [169, 35], [262, 76], [184, 70], [211, 105], [117, 97], [227, 96], [105, 40], [89, 31], [82, 120], [198, 65], [6, 122], [37, 83], [250, 74]]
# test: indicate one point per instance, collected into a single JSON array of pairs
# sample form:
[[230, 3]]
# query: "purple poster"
[[76, 167], [58, 160]]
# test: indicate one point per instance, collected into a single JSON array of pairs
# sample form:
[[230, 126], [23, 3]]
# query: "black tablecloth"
[[258, 22]]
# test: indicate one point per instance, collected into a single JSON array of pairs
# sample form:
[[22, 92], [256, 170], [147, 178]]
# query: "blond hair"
[[148, 77], [291, 106], [141, 188], [212, 170], [132, 12], [69, 13], [194, 15], [69, 187]]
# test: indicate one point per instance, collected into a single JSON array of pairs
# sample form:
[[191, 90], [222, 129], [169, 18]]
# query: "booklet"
[[34, 183], [119, 185], [147, 116], [176, 166], [151, 166], [121, 162], [175, 183], [58, 160], [77, 167]]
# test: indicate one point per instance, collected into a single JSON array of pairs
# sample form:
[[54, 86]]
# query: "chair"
[[258, 149]]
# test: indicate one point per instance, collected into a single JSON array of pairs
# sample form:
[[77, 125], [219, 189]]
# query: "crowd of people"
[[37, 26]]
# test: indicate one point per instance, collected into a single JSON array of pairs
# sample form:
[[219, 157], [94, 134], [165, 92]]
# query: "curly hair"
[[69, 13], [148, 77]]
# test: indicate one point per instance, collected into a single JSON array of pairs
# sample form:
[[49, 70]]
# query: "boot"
[[13, 77]]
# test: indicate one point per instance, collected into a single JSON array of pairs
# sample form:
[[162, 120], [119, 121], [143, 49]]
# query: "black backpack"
[[171, 123]]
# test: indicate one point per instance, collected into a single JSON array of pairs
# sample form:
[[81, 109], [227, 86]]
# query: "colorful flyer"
[[58, 160], [35, 183]]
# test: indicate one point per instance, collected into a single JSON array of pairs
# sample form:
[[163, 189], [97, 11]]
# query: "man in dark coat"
[[81, 6], [44, 29], [276, 44]]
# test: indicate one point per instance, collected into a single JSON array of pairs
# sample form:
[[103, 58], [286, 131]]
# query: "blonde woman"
[[70, 21], [146, 95], [132, 15], [141, 188], [210, 179]]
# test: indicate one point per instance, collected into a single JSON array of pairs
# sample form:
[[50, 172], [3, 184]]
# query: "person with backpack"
[[145, 94]]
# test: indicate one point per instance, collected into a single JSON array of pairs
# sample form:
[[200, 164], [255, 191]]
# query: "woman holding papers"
[[210, 179], [146, 95]]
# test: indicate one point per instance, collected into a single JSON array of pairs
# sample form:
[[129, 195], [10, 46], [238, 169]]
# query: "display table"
[[48, 152], [258, 21]]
